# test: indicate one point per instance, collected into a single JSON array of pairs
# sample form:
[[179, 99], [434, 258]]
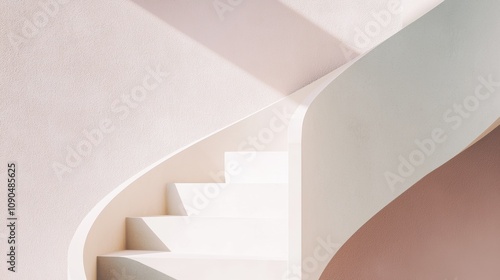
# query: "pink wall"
[[446, 227]]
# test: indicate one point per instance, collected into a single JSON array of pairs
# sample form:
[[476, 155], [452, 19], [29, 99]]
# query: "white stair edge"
[[256, 167], [209, 235], [161, 266], [228, 200]]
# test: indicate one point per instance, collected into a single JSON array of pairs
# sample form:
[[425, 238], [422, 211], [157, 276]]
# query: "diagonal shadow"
[[265, 38]]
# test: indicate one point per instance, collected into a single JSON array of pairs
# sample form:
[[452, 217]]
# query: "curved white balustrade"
[[103, 229], [354, 144], [396, 114]]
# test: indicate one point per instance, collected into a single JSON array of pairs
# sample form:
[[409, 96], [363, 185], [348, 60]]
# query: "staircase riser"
[[250, 237], [228, 200], [189, 269]]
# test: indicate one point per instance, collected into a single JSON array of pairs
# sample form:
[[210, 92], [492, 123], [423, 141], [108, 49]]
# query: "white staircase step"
[[256, 167], [209, 235], [228, 200], [167, 266]]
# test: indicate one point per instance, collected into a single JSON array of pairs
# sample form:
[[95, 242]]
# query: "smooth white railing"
[[387, 121]]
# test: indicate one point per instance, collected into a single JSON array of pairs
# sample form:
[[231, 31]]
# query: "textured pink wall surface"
[[65, 77], [447, 226]]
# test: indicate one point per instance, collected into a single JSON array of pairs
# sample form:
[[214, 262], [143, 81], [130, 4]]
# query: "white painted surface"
[[256, 167], [402, 93], [64, 80], [77, 269], [210, 235], [103, 229], [228, 200], [186, 266], [414, 9]]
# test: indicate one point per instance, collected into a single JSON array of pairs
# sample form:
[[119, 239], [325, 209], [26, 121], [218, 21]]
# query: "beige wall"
[[446, 226]]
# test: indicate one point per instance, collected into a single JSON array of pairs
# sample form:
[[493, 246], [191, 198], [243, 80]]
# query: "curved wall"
[[445, 227], [390, 119], [103, 229], [82, 62]]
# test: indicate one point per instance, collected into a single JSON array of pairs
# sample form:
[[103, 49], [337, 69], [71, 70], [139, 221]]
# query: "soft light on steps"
[[213, 231], [147, 265], [209, 235], [228, 200], [256, 167]]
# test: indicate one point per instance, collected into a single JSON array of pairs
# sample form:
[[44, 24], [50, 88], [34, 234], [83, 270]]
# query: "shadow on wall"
[[446, 227], [265, 38]]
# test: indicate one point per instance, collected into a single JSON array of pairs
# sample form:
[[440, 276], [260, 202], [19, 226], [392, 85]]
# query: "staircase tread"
[[258, 152], [209, 217], [176, 255], [229, 183]]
